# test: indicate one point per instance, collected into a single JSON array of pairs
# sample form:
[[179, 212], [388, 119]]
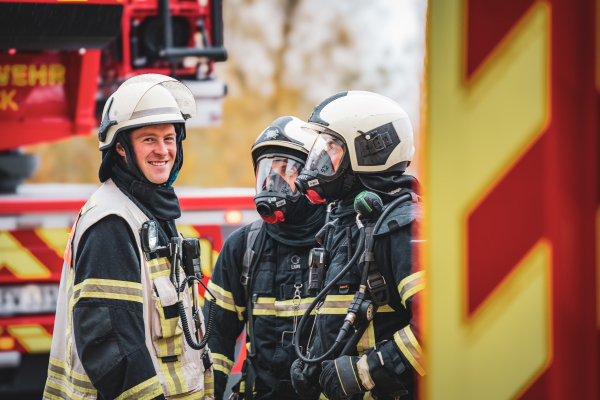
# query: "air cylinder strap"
[[251, 235], [378, 287]]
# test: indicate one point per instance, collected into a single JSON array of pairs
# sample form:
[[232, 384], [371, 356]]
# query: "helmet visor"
[[278, 175], [326, 155], [129, 94]]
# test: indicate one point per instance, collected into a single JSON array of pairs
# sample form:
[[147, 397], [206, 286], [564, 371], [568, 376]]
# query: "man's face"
[[289, 172], [155, 148]]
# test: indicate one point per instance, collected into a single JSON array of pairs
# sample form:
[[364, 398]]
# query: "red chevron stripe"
[[488, 23]]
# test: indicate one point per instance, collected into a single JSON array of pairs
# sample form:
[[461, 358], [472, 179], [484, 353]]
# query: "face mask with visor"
[[276, 191], [326, 162]]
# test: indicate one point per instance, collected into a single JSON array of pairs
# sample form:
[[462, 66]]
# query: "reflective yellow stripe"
[[144, 391], [409, 350], [222, 363], [71, 301], [411, 285], [169, 326], [367, 341], [223, 358], [221, 368], [413, 339], [109, 289], [224, 299], [193, 396], [339, 303], [59, 372], [159, 267], [216, 288], [364, 374], [70, 384], [170, 346], [171, 342], [209, 382], [173, 376], [243, 388], [73, 374], [91, 203], [334, 304], [281, 308], [58, 391]]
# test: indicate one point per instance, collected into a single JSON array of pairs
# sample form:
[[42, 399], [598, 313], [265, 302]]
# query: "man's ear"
[[121, 152]]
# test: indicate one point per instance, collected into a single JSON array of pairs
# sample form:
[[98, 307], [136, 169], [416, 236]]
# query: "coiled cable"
[[184, 322]]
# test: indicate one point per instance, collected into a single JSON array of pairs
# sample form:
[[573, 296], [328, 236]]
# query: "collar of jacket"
[[299, 231], [159, 201]]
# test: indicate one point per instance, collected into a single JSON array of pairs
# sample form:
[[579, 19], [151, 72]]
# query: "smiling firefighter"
[[121, 327]]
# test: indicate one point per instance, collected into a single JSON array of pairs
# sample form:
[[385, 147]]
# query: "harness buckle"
[[377, 285]]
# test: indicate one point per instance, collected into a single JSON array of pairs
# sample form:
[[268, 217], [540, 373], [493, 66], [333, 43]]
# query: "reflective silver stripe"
[[363, 373], [155, 111]]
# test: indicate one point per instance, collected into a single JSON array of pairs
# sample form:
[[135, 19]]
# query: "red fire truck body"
[[61, 59]]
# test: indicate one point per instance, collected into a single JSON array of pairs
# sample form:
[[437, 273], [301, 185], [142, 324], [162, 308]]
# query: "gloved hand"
[[341, 378], [305, 380]]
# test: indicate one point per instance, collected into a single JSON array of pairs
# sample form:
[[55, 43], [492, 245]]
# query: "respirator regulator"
[[276, 188], [184, 255], [373, 290]]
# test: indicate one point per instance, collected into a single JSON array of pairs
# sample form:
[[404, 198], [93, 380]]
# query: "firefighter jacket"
[[278, 281], [393, 330], [117, 333]]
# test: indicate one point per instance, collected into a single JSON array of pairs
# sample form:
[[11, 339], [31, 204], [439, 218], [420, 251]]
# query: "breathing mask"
[[278, 155]]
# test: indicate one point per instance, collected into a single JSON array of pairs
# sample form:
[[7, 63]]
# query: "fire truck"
[[59, 62]]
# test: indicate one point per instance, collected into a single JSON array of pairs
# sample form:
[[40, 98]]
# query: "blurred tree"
[[285, 56]]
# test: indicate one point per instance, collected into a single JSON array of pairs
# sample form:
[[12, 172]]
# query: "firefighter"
[[260, 278], [364, 145], [117, 332]]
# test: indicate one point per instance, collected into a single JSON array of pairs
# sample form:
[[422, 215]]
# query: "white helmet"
[[278, 156], [357, 131], [376, 129], [148, 99]]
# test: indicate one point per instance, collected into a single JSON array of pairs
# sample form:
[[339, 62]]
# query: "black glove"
[[305, 380], [382, 367], [340, 378]]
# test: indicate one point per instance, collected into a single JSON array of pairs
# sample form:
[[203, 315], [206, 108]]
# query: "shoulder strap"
[[251, 235], [378, 287]]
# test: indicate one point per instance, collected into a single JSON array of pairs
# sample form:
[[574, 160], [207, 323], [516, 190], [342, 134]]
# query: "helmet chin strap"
[[348, 183], [130, 159]]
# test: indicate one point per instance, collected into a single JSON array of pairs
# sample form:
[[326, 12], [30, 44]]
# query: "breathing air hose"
[[317, 300], [351, 344]]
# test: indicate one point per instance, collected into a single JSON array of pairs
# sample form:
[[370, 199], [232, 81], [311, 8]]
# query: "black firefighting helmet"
[[278, 156]]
